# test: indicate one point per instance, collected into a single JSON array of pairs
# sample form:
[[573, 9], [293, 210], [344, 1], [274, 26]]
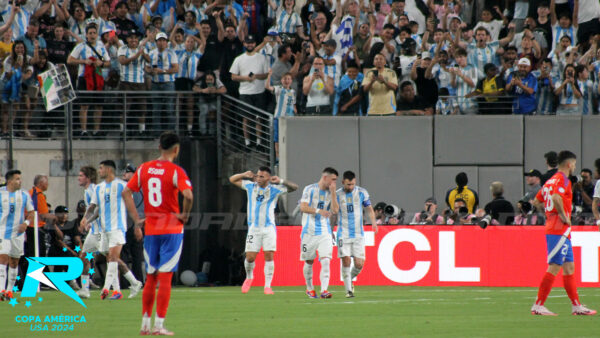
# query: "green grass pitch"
[[376, 311]]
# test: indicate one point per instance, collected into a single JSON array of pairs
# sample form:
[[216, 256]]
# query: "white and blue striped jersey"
[[315, 224], [111, 208], [334, 71], [566, 96], [479, 57], [288, 22], [350, 217], [271, 13], [544, 96], [163, 60], [78, 28], [83, 52], [285, 100], [262, 203], [433, 47], [445, 107], [134, 71], [587, 92], [13, 206], [188, 63], [269, 51], [22, 17], [200, 15], [558, 32], [87, 199], [443, 78], [462, 88]]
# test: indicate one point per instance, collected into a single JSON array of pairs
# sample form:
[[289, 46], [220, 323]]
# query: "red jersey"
[[160, 182], [557, 184]]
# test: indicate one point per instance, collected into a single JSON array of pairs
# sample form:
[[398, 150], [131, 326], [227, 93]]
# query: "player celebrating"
[[555, 198], [106, 196], [318, 203], [263, 191], [350, 235], [14, 205], [87, 179], [160, 181]]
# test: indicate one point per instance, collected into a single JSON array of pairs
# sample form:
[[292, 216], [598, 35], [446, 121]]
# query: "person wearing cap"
[[112, 44], [523, 85], [490, 86], [250, 70], [426, 86], [379, 212], [333, 62], [123, 25], [90, 53], [568, 93], [533, 184], [63, 235], [131, 59], [163, 66], [428, 215]]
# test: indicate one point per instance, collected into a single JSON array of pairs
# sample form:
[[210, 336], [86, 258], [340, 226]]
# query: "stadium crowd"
[[320, 57]]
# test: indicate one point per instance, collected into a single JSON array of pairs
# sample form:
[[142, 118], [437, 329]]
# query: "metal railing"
[[484, 105], [238, 122]]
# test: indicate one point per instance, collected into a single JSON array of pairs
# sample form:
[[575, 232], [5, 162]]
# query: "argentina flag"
[[345, 29]]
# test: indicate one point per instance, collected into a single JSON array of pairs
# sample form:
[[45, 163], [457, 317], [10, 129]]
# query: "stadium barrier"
[[502, 256]]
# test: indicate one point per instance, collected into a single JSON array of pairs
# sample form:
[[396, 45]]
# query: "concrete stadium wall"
[[404, 160]]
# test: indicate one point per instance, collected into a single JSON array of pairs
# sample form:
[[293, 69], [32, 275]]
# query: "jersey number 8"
[[154, 193]]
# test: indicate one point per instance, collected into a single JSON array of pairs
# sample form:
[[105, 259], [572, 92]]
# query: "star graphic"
[[83, 281], [40, 299], [77, 249], [65, 249], [28, 304], [18, 277], [89, 256], [13, 302], [15, 288], [91, 272]]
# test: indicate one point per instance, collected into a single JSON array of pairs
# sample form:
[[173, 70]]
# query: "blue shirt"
[[524, 103]]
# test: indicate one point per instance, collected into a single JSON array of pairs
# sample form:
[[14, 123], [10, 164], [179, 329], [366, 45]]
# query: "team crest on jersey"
[[12, 200], [321, 198], [561, 190], [349, 200]]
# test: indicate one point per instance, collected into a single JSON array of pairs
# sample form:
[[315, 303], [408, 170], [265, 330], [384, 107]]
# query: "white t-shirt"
[[588, 10], [597, 190], [246, 64], [493, 27]]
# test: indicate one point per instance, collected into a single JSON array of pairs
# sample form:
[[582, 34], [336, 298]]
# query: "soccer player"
[[106, 198], [555, 198], [160, 181], [317, 205], [263, 191], [16, 213], [350, 234]]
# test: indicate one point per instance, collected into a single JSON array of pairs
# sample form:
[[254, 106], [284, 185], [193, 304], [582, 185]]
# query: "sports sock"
[[269, 270], [571, 288], [308, 275], [12, 278], [249, 269], [117, 280], [355, 271], [324, 274], [130, 278], [164, 295], [111, 271], [158, 322], [148, 295], [346, 277], [85, 282], [545, 288], [2, 277], [146, 322]]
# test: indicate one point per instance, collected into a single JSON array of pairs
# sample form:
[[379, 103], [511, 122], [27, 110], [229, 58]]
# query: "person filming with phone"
[[318, 87], [381, 84]]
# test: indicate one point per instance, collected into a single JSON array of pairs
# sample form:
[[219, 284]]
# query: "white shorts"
[[112, 239], [309, 245], [351, 247], [265, 238], [13, 247], [92, 243]]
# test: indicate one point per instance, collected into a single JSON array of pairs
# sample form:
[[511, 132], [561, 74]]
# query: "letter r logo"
[[56, 280]]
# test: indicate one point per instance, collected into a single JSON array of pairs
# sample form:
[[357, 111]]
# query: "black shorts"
[[183, 84], [587, 29], [255, 100], [89, 99]]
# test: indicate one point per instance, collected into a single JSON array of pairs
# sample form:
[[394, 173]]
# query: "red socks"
[[148, 295], [545, 288], [164, 293], [571, 289]]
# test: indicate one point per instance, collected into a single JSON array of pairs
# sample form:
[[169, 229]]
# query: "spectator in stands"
[[429, 214], [439, 71], [284, 65], [350, 91], [33, 41], [112, 44], [552, 164], [527, 214], [250, 70], [89, 56], [77, 22], [209, 87], [533, 179], [568, 93], [588, 24], [545, 93], [426, 86], [499, 208], [446, 105], [163, 66], [59, 45], [318, 88], [38, 198], [231, 47], [132, 58], [566, 24], [123, 25], [411, 104], [488, 88], [288, 21], [586, 88], [17, 69], [462, 192], [463, 78], [523, 84], [189, 57], [381, 83]]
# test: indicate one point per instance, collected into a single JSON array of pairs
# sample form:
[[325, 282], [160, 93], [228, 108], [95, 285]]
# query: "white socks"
[[324, 274], [308, 276], [346, 277], [111, 274], [130, 278], [12, 278], [146, 322], [85, 282], [355, 272], [158, 322], [269, 270], [249, 269], [2, 277]]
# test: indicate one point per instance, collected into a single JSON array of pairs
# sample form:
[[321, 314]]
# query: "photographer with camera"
[[527, 215], [459, 215], [523, 84], [428, 215], [393, 215], [379, 216], [381, 84], [499, 208], [568, 93], [583, 190]]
